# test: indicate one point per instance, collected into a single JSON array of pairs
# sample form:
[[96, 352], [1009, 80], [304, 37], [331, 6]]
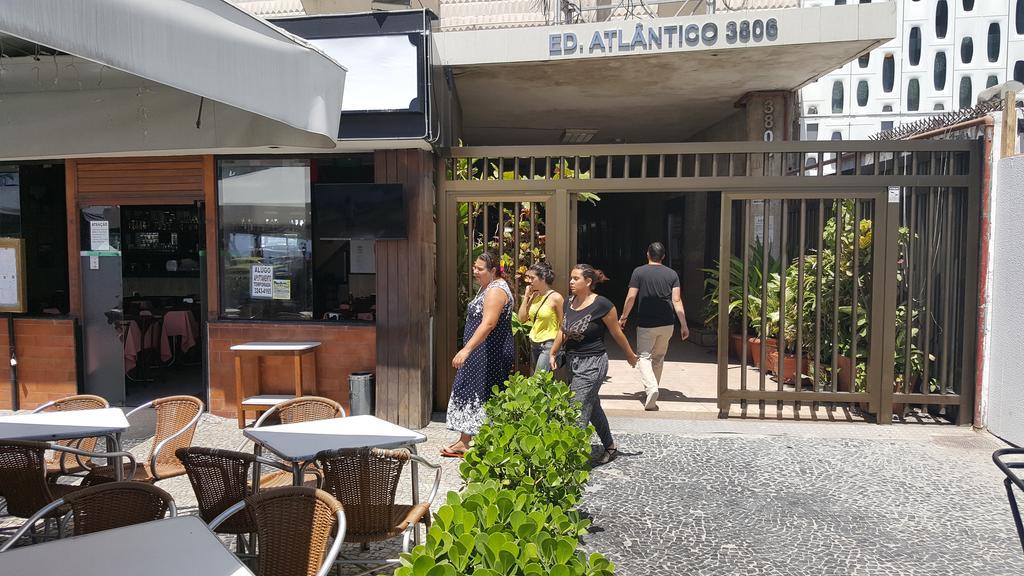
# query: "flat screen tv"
[[359, 211]]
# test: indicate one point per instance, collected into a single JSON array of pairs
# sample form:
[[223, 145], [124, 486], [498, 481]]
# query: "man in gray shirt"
[[654, 287]]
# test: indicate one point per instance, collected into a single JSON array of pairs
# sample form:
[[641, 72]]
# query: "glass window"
[[887, 108], [1019, 21], [266, 241], [864, 59], [965, 92], [840, 2], [913, 95], [966, 50], [837, 135], [941, 19], [275, 263], [812, 131], [939, 106], [837, 97], [915, 46], [888, 73], [887, 127], [991, 81], [1018, 71], [993, 42], [812, 110], [862, 93], [939, 71], [968, 5]]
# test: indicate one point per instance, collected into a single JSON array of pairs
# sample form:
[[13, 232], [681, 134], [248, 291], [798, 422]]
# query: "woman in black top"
[[587, 318]]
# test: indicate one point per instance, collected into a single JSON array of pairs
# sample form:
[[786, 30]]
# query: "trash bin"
[[360, 393]]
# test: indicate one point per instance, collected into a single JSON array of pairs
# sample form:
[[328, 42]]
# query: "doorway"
[[142, 279], [613, 234]]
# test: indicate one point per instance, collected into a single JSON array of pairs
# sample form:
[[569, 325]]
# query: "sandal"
[[447, 452], [608, 455]]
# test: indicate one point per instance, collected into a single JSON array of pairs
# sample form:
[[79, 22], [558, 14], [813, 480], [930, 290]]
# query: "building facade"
[[945, 53]]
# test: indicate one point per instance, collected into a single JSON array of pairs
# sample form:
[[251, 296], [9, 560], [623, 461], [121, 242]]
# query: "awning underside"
[[121, 76]]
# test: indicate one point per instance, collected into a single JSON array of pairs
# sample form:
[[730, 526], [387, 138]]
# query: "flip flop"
[[447, 452]]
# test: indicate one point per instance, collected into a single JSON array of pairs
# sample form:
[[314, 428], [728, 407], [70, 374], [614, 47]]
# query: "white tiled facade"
[[915, 68]]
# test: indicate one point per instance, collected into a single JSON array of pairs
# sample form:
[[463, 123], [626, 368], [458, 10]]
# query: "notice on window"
[[9, 278], [99, 235], [363, 259], [261, 282], [282, 289]]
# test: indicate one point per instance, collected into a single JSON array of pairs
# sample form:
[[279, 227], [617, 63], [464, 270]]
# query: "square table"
[[300, 442], [296, 350], [170, 547], [108, 423]]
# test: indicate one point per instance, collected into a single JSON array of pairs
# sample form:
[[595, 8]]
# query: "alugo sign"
[[657, 38]]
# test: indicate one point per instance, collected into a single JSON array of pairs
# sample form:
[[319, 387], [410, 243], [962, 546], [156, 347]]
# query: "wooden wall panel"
[[405, 293], [169, 180], [47, 367]]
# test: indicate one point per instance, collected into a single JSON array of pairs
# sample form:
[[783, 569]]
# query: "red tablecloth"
[[178, 323]]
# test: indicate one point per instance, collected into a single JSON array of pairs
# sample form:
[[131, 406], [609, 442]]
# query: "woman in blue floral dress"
[[486, 359]]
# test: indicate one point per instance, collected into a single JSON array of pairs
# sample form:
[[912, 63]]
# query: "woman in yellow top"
[[542, 307]]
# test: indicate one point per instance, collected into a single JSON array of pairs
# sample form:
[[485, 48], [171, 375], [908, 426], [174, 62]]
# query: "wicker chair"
[[176, 420], [294, 526], [301, 409], [105, 507], [64, 463], [220, 479], [365, 480]]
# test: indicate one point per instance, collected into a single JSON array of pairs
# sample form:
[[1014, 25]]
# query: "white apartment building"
[[946, 52]]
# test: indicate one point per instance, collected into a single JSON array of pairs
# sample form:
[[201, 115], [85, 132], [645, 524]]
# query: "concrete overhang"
[[527, 85]]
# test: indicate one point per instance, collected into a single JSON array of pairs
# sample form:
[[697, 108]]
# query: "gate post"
[[886, 372], [561, 232], [724, 275]]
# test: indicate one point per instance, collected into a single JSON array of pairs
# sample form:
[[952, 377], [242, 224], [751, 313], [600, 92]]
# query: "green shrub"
[[493, 531], [531, 438]]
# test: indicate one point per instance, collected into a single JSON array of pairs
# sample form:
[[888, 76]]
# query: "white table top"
[[267, 399], [303, 440], [169, 547], [63, 425], [275, 346]]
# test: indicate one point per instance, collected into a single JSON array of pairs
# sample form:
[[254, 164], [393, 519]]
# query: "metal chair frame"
[[159, 447], [332, 553], [1012, 479], [45, 510], [410, 535], [77, 441]]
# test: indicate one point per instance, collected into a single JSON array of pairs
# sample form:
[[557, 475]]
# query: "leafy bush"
[[493, 531], [531, 438]]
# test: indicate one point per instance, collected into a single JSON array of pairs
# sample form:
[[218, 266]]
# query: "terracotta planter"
[[754, 349], [844, 376], [736, 348], [788, 369]]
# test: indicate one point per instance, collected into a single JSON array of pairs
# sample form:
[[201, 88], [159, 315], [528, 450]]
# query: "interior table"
[[258, 350], [300, 442], [168, 547], [107, 423]]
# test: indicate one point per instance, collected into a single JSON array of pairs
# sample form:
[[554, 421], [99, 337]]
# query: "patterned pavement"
[[768, 498]]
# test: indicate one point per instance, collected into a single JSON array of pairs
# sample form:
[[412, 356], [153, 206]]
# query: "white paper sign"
[[261, 283], [363, 259], [894, 194], [282, 289], [8, 277], [99, 235], [94, 262]]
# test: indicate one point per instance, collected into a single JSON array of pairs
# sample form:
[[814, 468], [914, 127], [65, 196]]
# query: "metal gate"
[[863, 254]]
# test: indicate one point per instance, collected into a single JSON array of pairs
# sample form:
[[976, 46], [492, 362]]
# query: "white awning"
[[141, 72]]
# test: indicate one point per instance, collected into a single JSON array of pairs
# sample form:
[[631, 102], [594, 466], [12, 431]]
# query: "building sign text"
[[659, 38]]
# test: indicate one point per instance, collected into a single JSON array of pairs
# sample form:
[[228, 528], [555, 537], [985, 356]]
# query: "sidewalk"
[[709, 497]]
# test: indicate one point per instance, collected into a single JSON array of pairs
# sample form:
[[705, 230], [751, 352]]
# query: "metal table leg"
[[415, 473], [115, 441], [297, 473]]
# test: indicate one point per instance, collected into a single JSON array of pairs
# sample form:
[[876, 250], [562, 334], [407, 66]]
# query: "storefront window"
[[298, 237], [266, 256]]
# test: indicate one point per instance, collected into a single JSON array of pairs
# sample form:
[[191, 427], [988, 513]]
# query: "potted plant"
[[753, 301]]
